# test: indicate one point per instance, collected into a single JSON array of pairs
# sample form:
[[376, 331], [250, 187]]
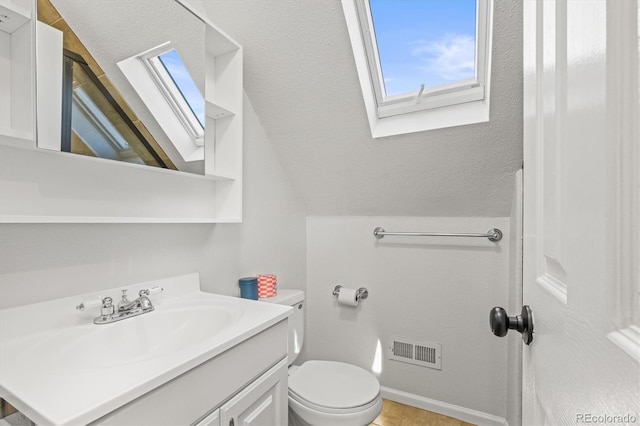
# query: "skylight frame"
[[172, 93], [435, 97]]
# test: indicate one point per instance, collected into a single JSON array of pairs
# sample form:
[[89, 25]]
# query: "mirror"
[[102, 85]]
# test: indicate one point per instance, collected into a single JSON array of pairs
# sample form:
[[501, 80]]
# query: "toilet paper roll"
[[347, 297]]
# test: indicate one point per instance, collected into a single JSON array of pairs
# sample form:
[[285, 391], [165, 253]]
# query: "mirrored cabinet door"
[[152, 84]]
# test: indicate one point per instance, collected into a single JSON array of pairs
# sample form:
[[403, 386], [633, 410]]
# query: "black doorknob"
[[501, 323]]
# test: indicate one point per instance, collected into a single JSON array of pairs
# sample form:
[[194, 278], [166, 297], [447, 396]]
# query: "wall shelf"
[[111, 219], [217, 112], [224, 115], [16, 16], [17, 135], [224, 119]]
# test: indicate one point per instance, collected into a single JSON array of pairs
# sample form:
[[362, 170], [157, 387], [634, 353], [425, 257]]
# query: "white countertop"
[[55, 369]]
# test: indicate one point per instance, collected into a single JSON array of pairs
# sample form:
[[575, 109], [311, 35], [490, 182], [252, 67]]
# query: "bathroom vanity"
[[197, 358]]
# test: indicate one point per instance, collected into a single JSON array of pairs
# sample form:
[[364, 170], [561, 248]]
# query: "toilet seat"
[[293, 398], [332, 393], [333, 387]]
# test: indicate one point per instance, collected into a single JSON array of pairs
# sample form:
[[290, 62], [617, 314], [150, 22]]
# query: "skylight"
[[424, 42], [422, 64]]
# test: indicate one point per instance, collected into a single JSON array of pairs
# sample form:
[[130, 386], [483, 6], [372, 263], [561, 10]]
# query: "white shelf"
[[217, 41], [16, 16], [217, 112], [224, 110], [24, 140], [110, 219], [17, 138], [220, 176]]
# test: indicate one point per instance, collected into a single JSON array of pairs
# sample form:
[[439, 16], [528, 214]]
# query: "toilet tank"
[[295, 299]]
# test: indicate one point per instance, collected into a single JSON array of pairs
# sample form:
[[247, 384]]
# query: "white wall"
[[434, 289], [44, 261]]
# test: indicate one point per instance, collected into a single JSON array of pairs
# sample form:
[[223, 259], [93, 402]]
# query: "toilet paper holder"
[[362, 292]]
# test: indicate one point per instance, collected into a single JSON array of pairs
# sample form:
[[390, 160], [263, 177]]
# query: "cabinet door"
[[262, 403], [212, 419]]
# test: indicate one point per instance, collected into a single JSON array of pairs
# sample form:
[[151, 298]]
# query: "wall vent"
[[425, 354]]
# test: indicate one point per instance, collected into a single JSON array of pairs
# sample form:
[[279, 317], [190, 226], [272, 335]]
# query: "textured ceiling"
[[301, 78]]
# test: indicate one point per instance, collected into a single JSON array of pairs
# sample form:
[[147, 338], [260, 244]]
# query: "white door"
[[212, 419], [581, 216], [263, 403]]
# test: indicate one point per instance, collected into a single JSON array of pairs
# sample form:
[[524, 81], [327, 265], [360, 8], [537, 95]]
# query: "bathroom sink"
[[151, 335], [59, 368]]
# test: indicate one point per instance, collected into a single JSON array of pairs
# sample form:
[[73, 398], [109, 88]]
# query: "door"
[[581, 213], [212, 419], [263, 403]]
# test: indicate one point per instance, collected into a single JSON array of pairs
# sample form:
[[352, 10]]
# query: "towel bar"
[[493, 234]]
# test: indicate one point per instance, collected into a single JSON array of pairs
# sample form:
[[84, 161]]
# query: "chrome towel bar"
[[493, 234]]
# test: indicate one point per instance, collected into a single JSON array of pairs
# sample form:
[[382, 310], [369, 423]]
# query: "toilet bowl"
[[332, 393], [323, 393]]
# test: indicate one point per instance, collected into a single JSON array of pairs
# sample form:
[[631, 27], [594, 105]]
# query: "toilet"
[[325, 393]]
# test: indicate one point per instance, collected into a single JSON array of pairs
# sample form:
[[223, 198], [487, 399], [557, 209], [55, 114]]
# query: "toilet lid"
[[334, 384]]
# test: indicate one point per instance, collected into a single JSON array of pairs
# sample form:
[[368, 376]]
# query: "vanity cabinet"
[[244, 385], [212, 419], [263, 402]]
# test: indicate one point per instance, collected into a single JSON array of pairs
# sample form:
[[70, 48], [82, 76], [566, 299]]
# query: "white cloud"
[[451, 58]]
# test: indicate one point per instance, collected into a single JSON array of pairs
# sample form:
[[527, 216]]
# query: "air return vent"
[[425, 354]]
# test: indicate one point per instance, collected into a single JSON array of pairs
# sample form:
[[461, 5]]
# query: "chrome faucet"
[[126, 308], [142, 302]]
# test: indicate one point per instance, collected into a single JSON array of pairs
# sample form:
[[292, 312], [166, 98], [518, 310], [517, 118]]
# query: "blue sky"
[[424, 41], [178, 72]]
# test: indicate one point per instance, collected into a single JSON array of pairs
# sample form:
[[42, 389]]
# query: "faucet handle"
[[89, 304], [107, 307], [152, 290]]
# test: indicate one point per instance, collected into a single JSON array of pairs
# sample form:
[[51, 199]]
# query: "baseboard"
[[460, 413]]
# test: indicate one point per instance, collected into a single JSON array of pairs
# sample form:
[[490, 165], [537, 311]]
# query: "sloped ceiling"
[[300, 75]]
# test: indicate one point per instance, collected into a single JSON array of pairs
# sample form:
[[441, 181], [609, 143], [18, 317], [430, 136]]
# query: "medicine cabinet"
[[66, 188]]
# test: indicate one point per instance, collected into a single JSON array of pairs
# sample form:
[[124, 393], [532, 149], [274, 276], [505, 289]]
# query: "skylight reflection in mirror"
[[186, 86], [430, 42]]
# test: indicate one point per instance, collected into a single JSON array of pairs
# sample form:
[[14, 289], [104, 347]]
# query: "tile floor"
[[396, 414]]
